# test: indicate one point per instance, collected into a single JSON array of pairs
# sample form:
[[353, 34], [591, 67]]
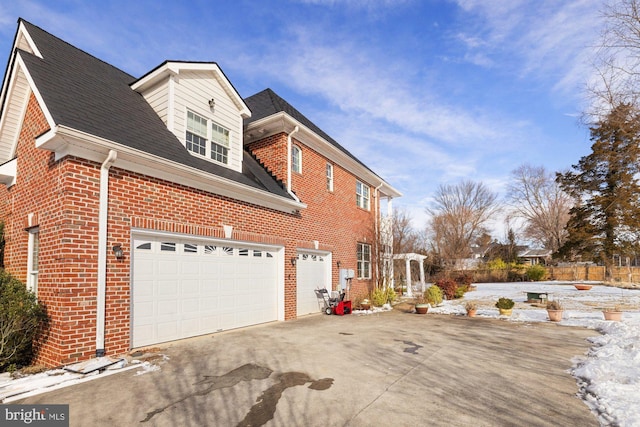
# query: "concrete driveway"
[[388, 369]]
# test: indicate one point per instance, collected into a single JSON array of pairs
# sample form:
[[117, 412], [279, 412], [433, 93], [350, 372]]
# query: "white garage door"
[[184, 288], [313, 272]]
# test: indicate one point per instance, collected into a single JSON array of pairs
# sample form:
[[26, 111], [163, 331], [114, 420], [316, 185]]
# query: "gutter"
[[102, 250]]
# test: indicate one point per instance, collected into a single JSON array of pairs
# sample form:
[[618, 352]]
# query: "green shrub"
[[21, 318], [462, 289], [448, 287], [505, 303], [391, 295], [536, 272], [496, 264], [433, 295]]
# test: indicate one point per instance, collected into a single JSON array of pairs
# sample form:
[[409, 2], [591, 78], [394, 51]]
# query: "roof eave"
[[283, 122], [169, 68], [65, 141]]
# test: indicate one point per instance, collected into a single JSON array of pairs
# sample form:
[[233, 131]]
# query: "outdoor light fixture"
[[117, 251], [212, 103], [338, 264], [294, 260]]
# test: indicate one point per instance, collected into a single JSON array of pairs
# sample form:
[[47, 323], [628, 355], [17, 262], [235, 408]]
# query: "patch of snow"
[[146, 367], [608, 377]]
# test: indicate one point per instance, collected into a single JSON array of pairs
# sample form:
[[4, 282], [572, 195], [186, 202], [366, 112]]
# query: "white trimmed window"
[[362, 195], [329, 177], [296, 159], [208, 141], [364, 261], [33, 254]]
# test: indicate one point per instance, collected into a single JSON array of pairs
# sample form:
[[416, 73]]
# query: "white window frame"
[[296, 159], [33, 259], [216, 149], [362, 195], [363, 255], [329, 176]]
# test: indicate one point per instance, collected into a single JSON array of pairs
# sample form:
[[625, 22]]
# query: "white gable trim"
[[22, 40], [283, 122], [67, 141], [174, 68], [19, 87]]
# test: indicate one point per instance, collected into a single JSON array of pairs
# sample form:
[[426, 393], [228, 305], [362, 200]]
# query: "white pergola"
[[407, 262]]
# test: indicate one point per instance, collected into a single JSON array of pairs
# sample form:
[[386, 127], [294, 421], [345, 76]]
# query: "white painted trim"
[[171, 103], [34, 88], [22, 31], [30, 273], [169, 68], [278, 249], [283, 122], [328, 274], [66, 141], [9, 172]]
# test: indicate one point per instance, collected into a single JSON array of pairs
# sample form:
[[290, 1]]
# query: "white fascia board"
[[12, 104], [175, 67], [66, 141], [8, 172], [21, 33], [283, 122], [36, 92]]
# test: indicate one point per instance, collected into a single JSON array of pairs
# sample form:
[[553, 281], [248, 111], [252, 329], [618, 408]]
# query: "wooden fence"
[[571, 273]]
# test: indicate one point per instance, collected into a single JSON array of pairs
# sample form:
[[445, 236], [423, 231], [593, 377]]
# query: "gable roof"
[[267, 104], [92, 97]]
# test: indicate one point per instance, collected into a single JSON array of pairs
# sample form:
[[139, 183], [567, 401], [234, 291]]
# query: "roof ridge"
[[29, 24]]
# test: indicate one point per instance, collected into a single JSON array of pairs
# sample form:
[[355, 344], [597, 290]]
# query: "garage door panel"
[[312, 271], [167, 266], [167, 288], [181, 288]]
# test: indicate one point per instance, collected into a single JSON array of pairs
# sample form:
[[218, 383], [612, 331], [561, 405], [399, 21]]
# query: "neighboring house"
[[144, 210], [534, 256]]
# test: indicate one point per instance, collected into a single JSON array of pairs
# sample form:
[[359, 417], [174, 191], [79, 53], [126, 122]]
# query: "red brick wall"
[[64, 196]]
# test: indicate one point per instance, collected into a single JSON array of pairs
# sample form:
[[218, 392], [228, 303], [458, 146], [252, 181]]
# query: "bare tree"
[[458, 217], [536, 197], [617, 59], [405, 238]]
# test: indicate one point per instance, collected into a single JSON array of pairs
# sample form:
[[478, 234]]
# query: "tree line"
[[588, 213]]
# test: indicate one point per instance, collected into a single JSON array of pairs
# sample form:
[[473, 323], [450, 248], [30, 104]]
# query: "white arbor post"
[[407, 262]]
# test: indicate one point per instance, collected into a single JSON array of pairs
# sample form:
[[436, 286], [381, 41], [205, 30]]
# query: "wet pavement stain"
[[246, 372], [413, 347], [265, 406]]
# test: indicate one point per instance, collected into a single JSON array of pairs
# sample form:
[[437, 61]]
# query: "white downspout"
[[376, 211], [102, 250], [289, 147]]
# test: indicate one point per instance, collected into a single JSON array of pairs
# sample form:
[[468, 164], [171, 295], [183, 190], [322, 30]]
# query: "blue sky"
[[423, 91]]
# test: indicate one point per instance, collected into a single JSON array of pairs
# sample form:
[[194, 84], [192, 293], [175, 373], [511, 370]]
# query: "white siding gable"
[[175, 88]]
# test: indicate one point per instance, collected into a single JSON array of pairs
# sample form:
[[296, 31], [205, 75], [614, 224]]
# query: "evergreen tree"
[[605, 219]]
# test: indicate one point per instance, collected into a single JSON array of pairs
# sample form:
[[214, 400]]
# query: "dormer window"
[[211, 141]]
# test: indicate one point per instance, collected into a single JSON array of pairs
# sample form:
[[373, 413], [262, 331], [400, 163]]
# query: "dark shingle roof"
[[87, 94], [267, 103]]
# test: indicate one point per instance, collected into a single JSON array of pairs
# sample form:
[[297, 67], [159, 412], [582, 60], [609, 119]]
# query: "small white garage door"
[[183, 288], [313, 272]]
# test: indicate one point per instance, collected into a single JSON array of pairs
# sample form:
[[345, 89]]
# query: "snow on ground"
[[609, 376]]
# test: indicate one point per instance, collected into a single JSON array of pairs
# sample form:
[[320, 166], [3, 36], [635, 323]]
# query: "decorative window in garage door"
[[168, 247]]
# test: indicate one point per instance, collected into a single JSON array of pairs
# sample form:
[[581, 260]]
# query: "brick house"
[[144, 210]]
